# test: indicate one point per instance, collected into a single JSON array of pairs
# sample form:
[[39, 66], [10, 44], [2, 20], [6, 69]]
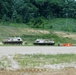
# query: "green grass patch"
[[10, 24], [41, 59]]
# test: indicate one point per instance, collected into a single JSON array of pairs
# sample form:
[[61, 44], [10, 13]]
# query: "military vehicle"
[[12, 40], [44, 42]]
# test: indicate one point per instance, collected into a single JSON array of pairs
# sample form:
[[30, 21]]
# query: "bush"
[[38, 23], [19, 19], [51, 27]]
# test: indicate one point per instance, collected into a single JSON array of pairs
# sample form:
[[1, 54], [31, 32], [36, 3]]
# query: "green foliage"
[[24, 11], [38, 23], [51, 27]]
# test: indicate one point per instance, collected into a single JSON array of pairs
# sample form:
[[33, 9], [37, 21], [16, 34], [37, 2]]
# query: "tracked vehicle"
[[12, 40], [44, 42]]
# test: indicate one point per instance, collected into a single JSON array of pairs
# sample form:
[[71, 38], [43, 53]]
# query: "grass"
[[48, 36], [41, 59], [31, 34], [30, 37], [60, 24], [10, 24]]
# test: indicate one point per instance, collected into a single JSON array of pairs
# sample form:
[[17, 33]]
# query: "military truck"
[[44, 42], [12, 40]]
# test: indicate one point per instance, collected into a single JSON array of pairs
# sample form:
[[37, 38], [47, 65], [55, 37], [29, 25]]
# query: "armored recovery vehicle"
[[12, 40], [44, 42]]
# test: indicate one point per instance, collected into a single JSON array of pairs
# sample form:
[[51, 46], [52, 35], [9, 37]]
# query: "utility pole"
[[66, 14], [66, 19]]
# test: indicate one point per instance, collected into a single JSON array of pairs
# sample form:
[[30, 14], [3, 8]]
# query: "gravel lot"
[[6, 50]]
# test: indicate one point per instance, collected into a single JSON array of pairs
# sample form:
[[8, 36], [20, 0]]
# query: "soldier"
[[58, 43]]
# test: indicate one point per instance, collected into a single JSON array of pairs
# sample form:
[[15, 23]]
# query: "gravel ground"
[[6, 50], [56, 69]]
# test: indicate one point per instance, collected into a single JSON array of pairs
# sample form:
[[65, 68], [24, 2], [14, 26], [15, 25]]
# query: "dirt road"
[[6, 50], [35, 71]]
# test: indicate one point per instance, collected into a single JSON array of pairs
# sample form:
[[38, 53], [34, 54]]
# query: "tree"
[[27, 10]]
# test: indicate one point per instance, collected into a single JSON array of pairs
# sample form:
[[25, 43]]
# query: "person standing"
[[58, 43]]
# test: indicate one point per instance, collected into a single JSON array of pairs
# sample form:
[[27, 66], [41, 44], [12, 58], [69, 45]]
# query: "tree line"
[[24, 11]]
